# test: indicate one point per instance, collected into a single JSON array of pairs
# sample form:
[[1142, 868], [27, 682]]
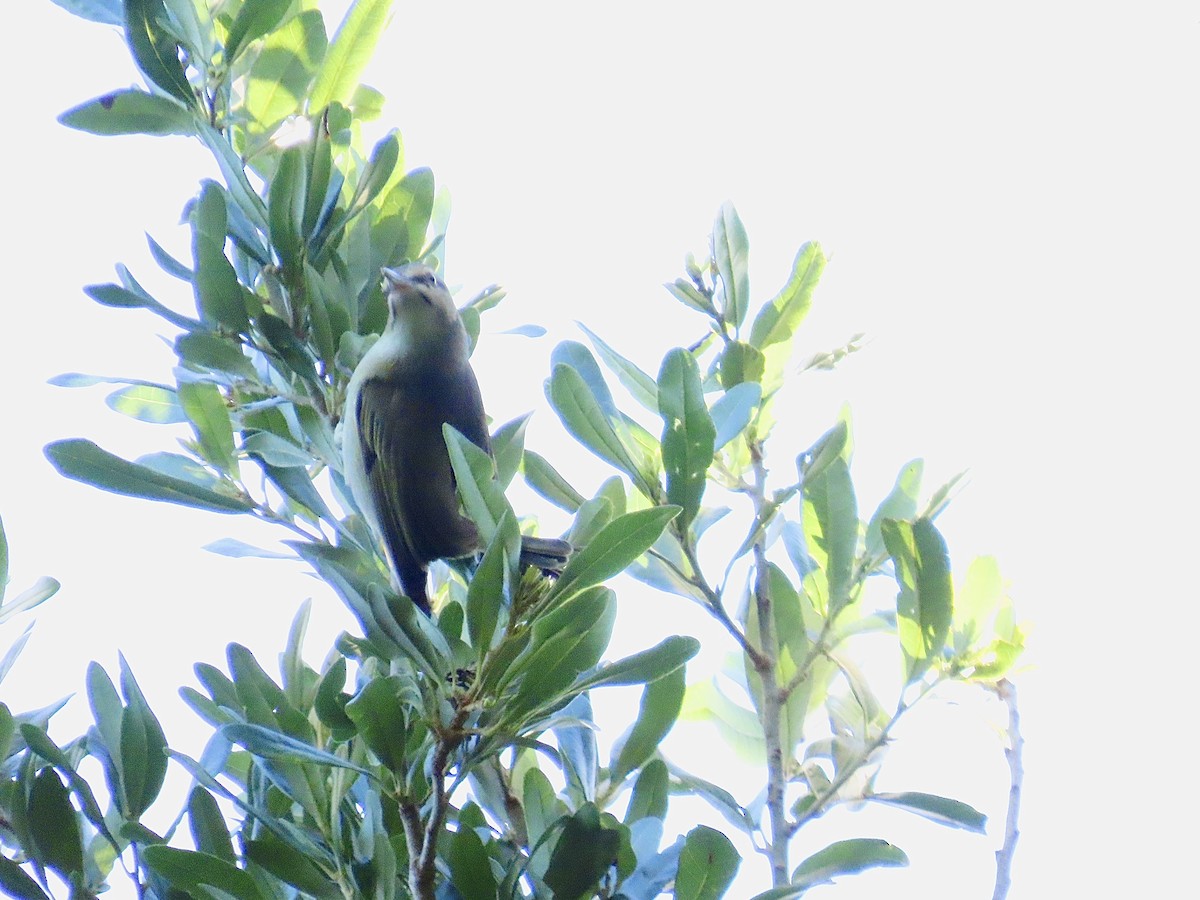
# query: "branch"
[[1007, 692], [712, 599], [817, 807], [422, 869], [765, 666]]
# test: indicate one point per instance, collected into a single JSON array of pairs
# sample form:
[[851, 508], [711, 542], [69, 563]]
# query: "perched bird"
[[416, 377]]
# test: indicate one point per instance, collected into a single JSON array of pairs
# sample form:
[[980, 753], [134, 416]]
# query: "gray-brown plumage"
[[416, 377]]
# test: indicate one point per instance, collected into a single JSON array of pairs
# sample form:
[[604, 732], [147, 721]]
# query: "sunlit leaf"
[[253, 21], [924, 604], [278, 81], [688, 433], [845, 858], [618, 544], [349, 51], [942, 810], [731, 251], [129, 112]]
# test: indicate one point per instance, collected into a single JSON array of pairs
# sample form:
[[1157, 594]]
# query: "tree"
[[457, 756]]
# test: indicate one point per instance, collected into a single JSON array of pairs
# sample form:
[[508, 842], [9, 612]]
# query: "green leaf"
[[831, 523], [349, 53], [942, 810], [303, 497], [39, 592], [129, 112], [274, 450], [583, 854], [733, 411], [546, 481], [54, 825], [687, 294], [403, 219], [209, 352], [253, 21], [470, 868], [286, 197], [33, 732], [292, 866], [116, 296], [82, 460], [583, 416], [731, 252], [287, 346], [741, 363], [491, 584], [508, 446], [688, 436], [707, 865], [651, 793], [330, 702], [154, 50], [191, 871], [924, 604], [278, 81], [16, 884], [661, 702], [779, 318], [900, 503], [143, 748], [218, 294], [147, 403], [266, 743], [106, 12], [209, 831], [206, 408], [567, 641], [641, 386], [846, 858], [378, 173], [236, 549], [167, 262], [646, 666], [618, 544], [474, 474], [381, 711]]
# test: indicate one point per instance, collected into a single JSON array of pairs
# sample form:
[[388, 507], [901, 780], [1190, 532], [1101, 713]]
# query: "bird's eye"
[[427, 278]]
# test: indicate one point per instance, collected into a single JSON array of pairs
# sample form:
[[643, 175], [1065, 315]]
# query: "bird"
[[415, 378]]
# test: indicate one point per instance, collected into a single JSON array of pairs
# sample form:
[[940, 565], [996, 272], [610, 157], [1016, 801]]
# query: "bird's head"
[[419, 305]]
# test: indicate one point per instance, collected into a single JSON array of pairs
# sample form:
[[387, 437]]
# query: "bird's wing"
[[408, 468]]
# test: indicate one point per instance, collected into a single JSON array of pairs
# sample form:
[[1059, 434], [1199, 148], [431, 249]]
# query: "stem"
[[817, 807], [422, 866], [717, 608], [410, 816], [772, 706], [1007, 692]]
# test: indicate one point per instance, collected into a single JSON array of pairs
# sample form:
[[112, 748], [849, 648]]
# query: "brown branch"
[[422, 868], [1007, 692]]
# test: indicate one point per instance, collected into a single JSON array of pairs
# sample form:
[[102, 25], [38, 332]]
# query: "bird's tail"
[[547, 554]]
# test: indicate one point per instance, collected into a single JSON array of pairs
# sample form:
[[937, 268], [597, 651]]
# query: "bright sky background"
[[1008, 195]]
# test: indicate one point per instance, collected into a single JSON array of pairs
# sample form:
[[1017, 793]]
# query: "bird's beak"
[[392, 279]]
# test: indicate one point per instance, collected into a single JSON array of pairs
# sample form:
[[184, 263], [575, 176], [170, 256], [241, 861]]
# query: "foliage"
[[456, 756]]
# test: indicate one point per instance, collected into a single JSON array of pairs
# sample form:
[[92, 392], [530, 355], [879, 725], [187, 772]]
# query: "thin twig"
[[1007, 692]]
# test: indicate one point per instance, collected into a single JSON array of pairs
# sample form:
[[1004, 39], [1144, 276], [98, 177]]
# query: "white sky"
[[1008, 195]]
